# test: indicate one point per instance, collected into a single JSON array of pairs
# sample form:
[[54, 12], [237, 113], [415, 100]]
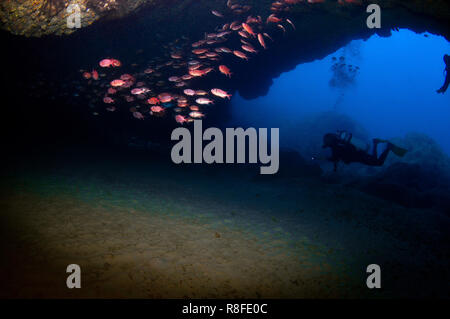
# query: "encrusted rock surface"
[[36, 18]]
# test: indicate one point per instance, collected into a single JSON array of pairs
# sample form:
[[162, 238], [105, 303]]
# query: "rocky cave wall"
[[36, 18]]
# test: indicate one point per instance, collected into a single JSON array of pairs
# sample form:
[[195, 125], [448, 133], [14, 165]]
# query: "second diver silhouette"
[[343, 150], [447, 75]]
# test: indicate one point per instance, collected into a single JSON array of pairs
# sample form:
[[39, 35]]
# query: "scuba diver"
[[344, 150], [447, 74]]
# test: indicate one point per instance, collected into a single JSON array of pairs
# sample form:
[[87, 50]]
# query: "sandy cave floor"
[[154, 231]]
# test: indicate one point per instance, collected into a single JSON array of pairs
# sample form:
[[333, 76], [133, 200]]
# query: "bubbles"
[[344, 74]]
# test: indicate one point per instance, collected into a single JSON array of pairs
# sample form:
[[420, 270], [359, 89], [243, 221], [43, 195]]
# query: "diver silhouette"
[[344, 150], [447, 74]]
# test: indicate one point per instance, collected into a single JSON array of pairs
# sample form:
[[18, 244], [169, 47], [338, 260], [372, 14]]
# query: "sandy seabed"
[[158, 232]]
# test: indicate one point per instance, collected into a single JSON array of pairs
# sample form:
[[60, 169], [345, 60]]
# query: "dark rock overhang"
[[320, 30]]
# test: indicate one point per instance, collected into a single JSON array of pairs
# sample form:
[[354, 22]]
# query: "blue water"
[[394, 91]]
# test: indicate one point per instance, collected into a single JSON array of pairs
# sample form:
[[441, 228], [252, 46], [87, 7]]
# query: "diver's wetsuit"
[[447, 74], [344, 151]]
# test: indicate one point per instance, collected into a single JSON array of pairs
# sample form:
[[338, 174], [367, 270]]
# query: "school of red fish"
[[152, 93]]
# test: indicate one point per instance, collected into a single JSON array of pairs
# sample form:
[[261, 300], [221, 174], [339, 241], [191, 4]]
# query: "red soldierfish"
[[248, 29], [220, 93], [291, 23], [249, 48], [196, 114], [94, 75], [217, 13], [282, 28], [240, 54], [180, 119], [225, 70], [138, 115], [268, 36], [272, 18], [117, 82], [203, 100], [261, 41]]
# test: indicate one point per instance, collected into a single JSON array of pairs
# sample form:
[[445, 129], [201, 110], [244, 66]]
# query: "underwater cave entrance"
[[392, 93]]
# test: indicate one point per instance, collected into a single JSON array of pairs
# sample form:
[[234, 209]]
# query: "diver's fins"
[[397, 150]]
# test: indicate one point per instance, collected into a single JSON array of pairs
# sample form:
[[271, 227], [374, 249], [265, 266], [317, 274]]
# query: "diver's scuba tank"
[[356, 142]]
